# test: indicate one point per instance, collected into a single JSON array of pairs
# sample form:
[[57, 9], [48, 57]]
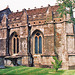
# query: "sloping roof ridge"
[[4, 9], [37, 8], [16, 12], [54, 5], [42, 7]]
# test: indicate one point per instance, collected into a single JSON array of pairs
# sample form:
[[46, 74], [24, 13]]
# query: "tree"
[[56, 64], [66, 7]]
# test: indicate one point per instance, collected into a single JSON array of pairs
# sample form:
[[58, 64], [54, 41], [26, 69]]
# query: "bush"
[[56, 64]]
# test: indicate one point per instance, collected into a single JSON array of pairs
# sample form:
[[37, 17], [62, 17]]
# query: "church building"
[[32, 37]]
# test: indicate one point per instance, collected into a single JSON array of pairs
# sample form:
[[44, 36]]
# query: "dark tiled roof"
[[6, 11], [54, 8], [14, 15], [32, 12], [29, 12], [37, 11]]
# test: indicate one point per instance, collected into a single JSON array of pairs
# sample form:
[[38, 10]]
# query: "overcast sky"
[[21, 4]]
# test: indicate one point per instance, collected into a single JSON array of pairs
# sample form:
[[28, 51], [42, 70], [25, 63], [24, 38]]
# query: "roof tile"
[[33, 11]]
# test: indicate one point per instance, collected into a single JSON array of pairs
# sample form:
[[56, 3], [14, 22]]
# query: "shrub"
[[56, 64]]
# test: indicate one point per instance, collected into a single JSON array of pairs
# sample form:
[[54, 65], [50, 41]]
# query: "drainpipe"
[[73, 16], [7, 39], [29, 33], [29, 45], [74, 34], [54, 33]]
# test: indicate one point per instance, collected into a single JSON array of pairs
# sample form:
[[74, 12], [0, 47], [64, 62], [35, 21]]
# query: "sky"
[[15, 5]]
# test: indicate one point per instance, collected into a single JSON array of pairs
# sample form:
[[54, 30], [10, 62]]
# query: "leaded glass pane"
[[40, 44], [36, 45]]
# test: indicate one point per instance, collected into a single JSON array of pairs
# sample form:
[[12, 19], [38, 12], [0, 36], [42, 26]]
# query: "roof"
[[54, 8], [41, 10], [14, 15], [6, 11], [37, 11], [32, 12], [29, 12]]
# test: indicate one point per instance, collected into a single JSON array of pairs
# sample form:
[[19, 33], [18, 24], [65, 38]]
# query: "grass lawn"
[[22, 70]]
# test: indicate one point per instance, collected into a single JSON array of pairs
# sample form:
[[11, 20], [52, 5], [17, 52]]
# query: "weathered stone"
[[23, 33]]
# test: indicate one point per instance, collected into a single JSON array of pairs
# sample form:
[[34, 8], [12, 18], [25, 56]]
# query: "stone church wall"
[[2, 47], [60, 43], [70, 44], [57, 37], [45, 58]]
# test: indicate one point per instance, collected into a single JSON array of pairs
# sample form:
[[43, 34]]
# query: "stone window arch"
[[37, 42], [15, 43]]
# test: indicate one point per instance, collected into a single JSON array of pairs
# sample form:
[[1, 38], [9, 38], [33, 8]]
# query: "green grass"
[[22, 70]]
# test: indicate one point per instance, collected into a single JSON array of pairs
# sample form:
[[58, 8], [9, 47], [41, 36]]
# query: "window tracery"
[[15, 43], [38, 42]]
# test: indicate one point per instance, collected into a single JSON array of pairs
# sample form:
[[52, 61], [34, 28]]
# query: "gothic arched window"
[[38, 43], [15, 43]]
